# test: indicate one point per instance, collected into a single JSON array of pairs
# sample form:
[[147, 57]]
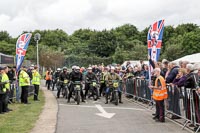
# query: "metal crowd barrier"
[[182, 102], [15, 92]]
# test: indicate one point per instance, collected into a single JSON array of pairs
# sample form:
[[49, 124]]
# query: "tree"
[[185, 28], [83, 34], [139, 52], [103, 43], [119, 55], [50, 57], [191, 42], [129, 31], [173, 49], [7, 48], [4, 36], [54, 38]]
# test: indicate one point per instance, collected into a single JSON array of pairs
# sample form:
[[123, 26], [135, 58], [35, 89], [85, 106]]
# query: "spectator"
[[172, 73], [180, 78], [190, 82], [184, 64], [137, 71], [164, 67], [145, 72], [129, 72]]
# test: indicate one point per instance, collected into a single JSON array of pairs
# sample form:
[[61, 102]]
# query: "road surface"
[[97, 117]]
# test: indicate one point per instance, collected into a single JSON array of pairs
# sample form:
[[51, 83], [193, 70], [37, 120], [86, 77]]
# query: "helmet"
[[73, 67], [112, 68], [64, 68], [89, 68], [58, 69], [77, 68]]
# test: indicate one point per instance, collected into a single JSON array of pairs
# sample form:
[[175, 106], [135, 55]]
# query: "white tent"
[[194, 58]]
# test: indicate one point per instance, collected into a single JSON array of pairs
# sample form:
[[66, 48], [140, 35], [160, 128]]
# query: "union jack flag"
[[154, 39], [21, 48]]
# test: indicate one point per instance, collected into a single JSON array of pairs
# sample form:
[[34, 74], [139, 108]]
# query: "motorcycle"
[[77, 92], [114, 86], [65, 88], [93, 89]]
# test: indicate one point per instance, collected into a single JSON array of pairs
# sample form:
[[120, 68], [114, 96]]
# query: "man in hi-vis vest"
[[24, 82], [3, 95], [6, 80], [36, 82], [159, 95]]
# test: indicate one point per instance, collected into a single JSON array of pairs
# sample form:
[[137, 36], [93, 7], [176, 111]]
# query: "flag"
[[154, 40], [21, 48]]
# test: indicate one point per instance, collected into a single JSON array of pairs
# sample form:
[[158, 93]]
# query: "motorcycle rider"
[[75, 75], [55, 77], [104, 73], [63, 76], [89, 77], [112, 76]]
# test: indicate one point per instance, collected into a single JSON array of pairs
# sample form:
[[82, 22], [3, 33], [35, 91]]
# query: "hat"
[[1, 68]]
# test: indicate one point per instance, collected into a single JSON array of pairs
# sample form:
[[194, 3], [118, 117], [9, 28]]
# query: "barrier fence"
[[181, 102], [15, 92]]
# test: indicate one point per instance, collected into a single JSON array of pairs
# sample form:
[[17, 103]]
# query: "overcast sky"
[[25, 15]]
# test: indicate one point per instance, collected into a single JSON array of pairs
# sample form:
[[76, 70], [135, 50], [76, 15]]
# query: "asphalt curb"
[[48, 118]]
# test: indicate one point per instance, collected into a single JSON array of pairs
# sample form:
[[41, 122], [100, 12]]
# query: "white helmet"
[[89, 68], [73, 67], [58, 69], [77, 67], [112, 68]]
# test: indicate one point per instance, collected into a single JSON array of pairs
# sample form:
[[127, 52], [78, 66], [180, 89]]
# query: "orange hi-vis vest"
[[160, 94], [48, 77]]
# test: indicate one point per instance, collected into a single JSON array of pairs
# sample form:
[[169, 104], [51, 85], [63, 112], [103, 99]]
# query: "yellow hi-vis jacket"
[[24, 79], [36, 77], [5, 79]]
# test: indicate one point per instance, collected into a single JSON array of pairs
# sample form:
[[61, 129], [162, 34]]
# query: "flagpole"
[[37, 38], [37, 55]]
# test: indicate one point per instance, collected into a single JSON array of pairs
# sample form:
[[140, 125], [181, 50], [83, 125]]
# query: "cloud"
[[70, 15]]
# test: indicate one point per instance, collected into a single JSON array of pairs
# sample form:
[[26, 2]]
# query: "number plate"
[[65, 81], [94, 83], [78, 87], [115, 85]]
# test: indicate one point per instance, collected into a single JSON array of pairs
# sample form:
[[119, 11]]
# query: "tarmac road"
[[97, 117]]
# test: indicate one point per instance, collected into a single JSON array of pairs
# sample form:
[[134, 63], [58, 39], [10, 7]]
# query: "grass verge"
[[23, 117]]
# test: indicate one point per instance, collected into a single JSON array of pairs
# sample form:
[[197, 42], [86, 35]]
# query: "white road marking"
[[119, 108], [95, 102], [103, 112]]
